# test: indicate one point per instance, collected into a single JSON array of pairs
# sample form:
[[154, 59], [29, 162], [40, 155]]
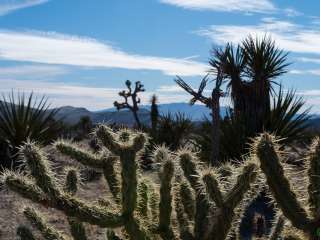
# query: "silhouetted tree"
[[154, 114], [212, 102], [135, 100]]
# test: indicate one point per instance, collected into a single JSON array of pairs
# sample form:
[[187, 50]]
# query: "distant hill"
[[71, 115]]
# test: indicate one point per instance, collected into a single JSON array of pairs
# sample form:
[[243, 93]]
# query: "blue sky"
[[80, 52]]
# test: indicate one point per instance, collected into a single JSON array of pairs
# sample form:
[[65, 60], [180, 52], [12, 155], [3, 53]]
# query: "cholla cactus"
[[288, 191], [215, 204], [206, 206]]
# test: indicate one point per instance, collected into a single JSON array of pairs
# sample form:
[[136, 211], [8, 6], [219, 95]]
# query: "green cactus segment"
[[213, 189], [242, 186], [39, 167], [143, 198], [187, 199], [111, 175], [202, 205], [154, 205], [82, 156], [107, 138], [314, 176], [38, 221], [24, 233], [71, 185], [183, 221], [77, 229], [127, 152], [165, 207], [24, 187], [266, 150], [232, 200]]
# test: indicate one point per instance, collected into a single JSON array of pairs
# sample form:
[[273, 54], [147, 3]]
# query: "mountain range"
[[71, 115]]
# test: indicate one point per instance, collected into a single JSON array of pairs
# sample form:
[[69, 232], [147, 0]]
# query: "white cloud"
[[224, 5], [290, 12], [92, 98], [309, 60], [33, 71], [53, 48], [315, 72], [289, 36], [8, 6]]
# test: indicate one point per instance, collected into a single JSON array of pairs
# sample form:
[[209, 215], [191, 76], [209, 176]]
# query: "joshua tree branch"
[[133, 95]]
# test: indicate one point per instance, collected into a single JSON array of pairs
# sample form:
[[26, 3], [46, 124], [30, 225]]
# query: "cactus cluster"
[[188, 202], [295, 193]]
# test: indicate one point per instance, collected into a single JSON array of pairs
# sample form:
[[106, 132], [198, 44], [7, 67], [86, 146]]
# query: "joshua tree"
[[251, 68], [212, 102], [133, 94], [206, 204]]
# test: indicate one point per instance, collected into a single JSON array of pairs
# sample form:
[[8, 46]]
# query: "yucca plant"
[[24, 118], [287, 119], [173, 130]]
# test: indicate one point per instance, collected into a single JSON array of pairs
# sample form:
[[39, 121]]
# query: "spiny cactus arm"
[[82, 156], [39, 167], [165, 207], [202, 205], [72, 179], [84, 212], [107, 138], [184, 226], [265, 149], [189, 169], [77, 229], [277, 229], [49, 233], [243, 184], [24, 233], [111, 176], [143, 198], [134, 230], [314, 177], [187, 199], [213, 189], [69, 205], [24, 187], [139, 142], [154, 205]]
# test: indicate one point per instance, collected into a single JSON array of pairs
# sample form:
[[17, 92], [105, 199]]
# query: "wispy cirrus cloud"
[[8, 6], [54, 48], [224, 6], [33, 71], [289, 36]]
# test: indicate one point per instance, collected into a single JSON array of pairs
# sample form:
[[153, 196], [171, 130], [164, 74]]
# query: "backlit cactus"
[[187, 202], [301, 209]]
